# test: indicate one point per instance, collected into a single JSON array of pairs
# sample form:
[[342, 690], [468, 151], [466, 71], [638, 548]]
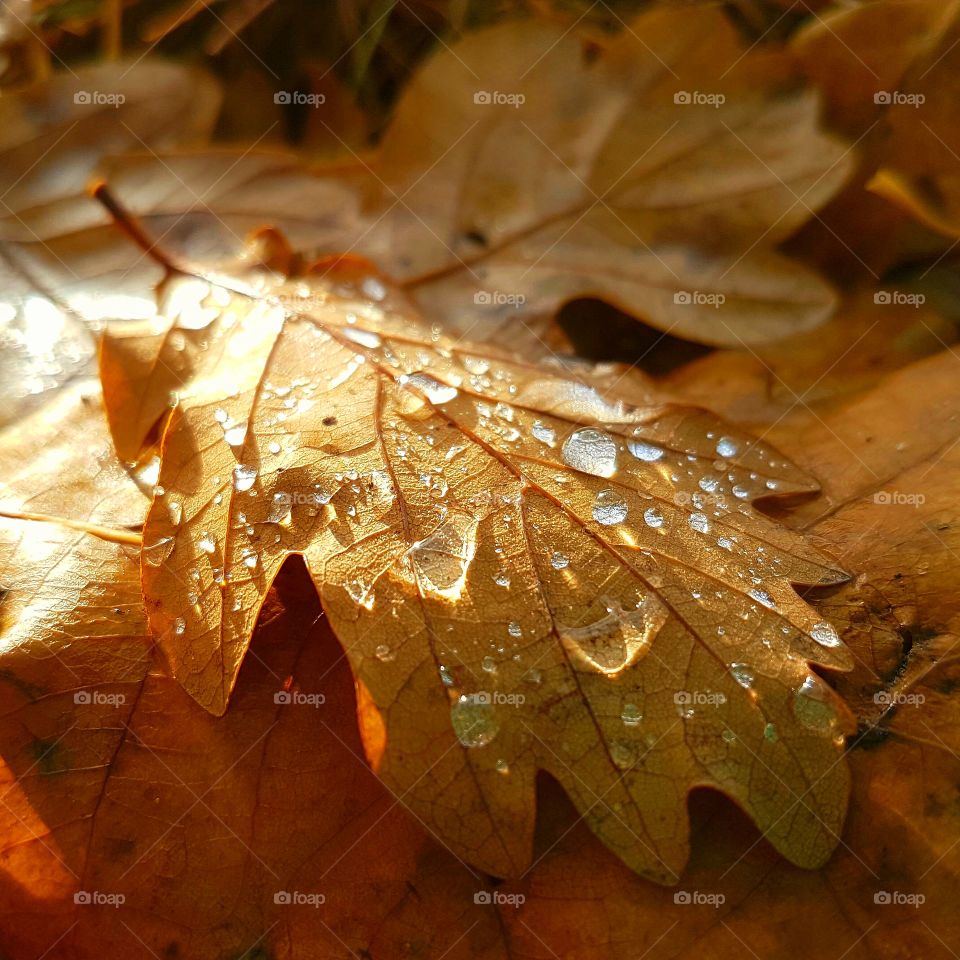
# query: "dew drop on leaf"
[[609, 508], [591, 451], [474, 720]]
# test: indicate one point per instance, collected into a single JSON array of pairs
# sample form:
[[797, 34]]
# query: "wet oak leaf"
[[524, 574]]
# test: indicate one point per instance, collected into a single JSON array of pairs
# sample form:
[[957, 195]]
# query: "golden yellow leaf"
[[504, 553]]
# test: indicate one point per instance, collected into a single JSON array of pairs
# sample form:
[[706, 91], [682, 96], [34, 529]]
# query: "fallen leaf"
[[448, 504]]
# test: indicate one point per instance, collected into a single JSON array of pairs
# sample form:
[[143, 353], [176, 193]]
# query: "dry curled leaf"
[[525, 575]]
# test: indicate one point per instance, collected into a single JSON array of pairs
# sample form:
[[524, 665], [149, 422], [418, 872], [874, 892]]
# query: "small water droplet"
[[631, 714], [645, 451], [236, 435], [770, 732], [761, 596], [244, 477], [726, 447], [559, 561], [699, 522], [207, 543], [825, 635], [653, 517], [179, 626], [435, 391], [514, 629], [446, 677], [609, 508], [489, 665], [383, 653], [543, 433], [742, 674]]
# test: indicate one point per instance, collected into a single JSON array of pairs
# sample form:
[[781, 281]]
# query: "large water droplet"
[[811, 706], [443, 559], [609, 508], [591, 451], [615, 641], [653, 517], [236, 434], [474, 720]]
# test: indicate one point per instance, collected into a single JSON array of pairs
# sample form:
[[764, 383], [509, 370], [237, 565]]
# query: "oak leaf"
[[525, 574]]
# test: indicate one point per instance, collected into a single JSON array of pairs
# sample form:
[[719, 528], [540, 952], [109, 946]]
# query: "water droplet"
[[442, 559], [489, 665], [728, 735], [158, 552], [244, 477], [742, 674], [503, 767], [631, 714], [653, 517], [825, 635], [761, 596], [699, 522], [236, 435], [623, 754], [514, 629], [812, 707], [725, 543], [273, 447], [435, 391], [559, 561], [362, 337], [591, 451], [741, 492], [207, 543], [708, 484], [250, 559], [179, 626], [383, 653], [474, 720], [645, 451], [770, 732], [543, 433], [726, 447], [502, 580], [533, 675], [280, 508], [175, 509], [609, 508], [373, 288], [446, 677]]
